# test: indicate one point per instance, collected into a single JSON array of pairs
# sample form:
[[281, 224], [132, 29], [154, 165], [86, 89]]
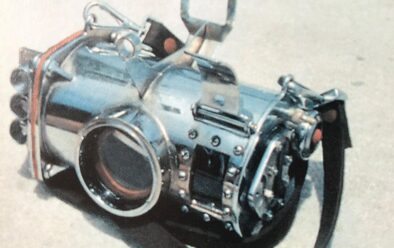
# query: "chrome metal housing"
[[199, 128]]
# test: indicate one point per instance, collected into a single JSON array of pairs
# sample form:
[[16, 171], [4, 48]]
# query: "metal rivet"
[[206, 217], [185, 209], [238, 150], [268, 193], [232, 171], [227, 211], [215, 140], [185, 154], [193, 133], [228, 226], [48, 167], [182, 175], [219, 100], [182, 193], [228, 193]]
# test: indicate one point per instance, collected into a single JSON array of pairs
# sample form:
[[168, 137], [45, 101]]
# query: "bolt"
[[185, 154], [228, 193], [185, 209], [232, 171], [182, 193], [228, 226], [182, 175], [48, 167], [193, 133], [268, 193], [238, 150], [219, 100], [227, 211], [206, 218], [215, 141]]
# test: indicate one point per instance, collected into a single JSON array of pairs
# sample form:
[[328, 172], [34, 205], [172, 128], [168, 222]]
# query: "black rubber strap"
[[336, 139]]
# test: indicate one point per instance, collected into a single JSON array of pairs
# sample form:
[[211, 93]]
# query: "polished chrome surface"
[[192, 119]]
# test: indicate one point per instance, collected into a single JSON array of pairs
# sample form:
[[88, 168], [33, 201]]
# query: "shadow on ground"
[[143, 231]]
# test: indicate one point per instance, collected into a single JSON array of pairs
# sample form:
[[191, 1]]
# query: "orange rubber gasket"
[[35, 101]]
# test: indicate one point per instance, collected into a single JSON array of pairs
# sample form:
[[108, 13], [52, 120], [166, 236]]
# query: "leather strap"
[[336, 139]]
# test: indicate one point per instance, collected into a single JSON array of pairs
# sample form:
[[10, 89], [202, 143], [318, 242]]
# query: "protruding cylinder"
[[18, 131], [21, 79], [19, 106]]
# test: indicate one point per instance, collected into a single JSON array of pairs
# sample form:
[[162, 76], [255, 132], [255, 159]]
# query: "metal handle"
[[213, 31]]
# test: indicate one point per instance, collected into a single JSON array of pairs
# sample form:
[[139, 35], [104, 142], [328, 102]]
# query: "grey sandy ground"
[[338, 43]]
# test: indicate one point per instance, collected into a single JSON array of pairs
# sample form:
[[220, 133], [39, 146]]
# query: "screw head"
[[206, 217], [227, 211], [185, 154], [193, 133], [182, 193], [219, 100], [268, 193], [238, 150], [48, 167], [215, 141], [232, 171], [228, 226], [228, 193], [182, 175], [185, 209]]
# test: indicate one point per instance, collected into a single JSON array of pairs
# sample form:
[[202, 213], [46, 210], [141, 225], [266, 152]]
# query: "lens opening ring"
[[100, 197]]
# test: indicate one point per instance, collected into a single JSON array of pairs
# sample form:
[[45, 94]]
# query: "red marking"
[[35, 101], [317, 136], [170, 45]]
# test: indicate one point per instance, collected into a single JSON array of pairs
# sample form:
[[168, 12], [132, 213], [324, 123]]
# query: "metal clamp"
[[91, 19], [213, 31]]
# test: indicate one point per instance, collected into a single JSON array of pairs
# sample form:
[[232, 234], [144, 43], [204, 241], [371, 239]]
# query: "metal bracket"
[[306, 98], [213, 31], [220, 102]]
